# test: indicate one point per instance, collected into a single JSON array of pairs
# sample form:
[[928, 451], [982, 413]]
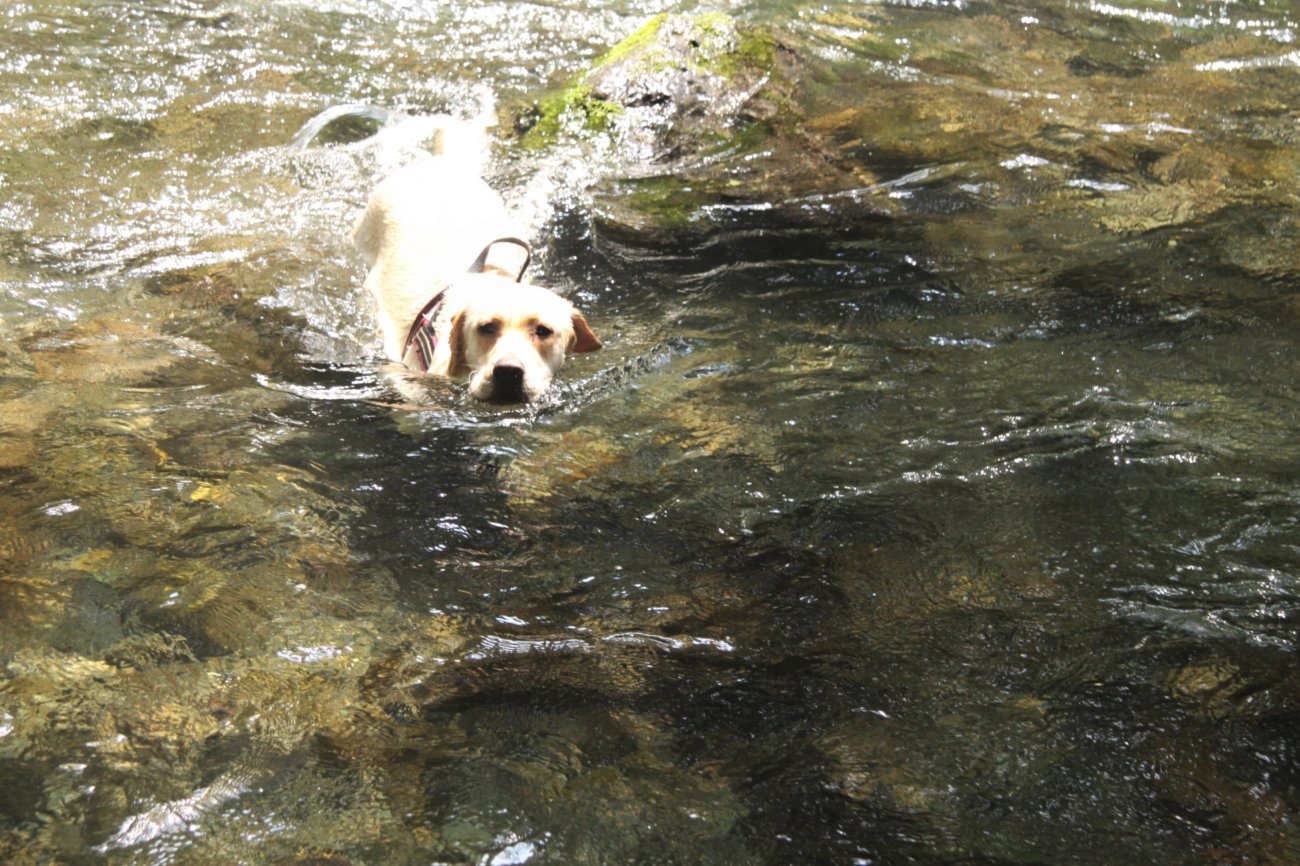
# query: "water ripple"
[[496, 645]]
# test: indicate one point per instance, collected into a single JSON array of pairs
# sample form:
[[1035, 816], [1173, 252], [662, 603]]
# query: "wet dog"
[[446, 269]]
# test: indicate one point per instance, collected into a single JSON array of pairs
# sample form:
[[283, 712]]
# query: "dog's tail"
[[468, 140], [371, 117], [463, 140]]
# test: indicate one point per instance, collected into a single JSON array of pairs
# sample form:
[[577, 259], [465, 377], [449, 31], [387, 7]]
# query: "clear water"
[[934, 499]]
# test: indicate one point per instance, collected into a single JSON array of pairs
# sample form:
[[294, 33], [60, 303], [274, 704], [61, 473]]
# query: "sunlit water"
[[933, 500]]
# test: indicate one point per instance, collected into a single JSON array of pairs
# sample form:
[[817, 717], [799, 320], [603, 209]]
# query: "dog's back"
[[426, 223], [426, 191]]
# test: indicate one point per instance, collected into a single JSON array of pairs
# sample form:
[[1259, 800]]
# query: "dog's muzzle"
[[508, 382]]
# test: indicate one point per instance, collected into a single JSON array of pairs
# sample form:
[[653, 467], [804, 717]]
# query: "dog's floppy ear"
[[583, 338], [457, 366]]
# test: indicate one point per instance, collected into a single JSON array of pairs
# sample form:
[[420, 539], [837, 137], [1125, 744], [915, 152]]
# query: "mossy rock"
[[693, 115], [679, 85]]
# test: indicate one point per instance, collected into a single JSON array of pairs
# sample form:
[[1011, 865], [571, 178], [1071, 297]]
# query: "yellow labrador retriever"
[[446, 272]]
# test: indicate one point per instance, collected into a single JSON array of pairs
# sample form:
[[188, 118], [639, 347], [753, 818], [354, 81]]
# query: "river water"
[[933, 500]]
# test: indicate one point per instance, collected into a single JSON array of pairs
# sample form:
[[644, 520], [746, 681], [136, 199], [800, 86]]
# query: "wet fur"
[[423, 228]]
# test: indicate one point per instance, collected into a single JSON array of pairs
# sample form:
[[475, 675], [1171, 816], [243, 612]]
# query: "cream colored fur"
[[424, 227]]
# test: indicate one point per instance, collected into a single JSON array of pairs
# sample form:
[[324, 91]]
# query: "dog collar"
[[422, 338]]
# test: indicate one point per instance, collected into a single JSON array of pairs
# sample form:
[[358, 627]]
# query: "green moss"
[[574, 104], [717, 48], [721, 48], [758, 49], [663, 203], [755, 51], [577, 101], [647, 33]]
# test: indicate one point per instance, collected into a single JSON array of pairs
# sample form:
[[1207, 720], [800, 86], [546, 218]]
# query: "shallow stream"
[[935, 498]]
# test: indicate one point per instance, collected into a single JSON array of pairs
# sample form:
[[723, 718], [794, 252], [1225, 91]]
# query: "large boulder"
[[680, 85], [690, 112]]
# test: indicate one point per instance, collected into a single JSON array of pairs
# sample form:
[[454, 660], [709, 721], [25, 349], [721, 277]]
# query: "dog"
[[445, 269]]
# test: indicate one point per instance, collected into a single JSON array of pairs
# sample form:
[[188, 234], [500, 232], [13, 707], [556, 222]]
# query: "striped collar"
[[422, 338]]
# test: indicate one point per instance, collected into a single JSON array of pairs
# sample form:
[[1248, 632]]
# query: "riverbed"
[[934, 498]]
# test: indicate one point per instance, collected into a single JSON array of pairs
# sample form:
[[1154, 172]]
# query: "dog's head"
[[509, 339]]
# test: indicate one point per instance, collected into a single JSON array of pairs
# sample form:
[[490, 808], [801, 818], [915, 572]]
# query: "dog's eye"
[[489, 329], [542, 331]]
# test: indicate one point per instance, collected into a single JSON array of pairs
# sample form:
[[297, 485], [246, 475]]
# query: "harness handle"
[[481, 261]]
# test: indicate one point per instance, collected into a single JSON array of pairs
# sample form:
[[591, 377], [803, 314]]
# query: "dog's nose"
[[508, 381]]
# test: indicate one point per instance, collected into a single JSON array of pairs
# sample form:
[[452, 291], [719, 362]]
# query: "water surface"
[[934, 499]]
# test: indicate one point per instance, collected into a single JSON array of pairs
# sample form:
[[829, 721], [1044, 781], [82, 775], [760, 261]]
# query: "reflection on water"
[[933, 500]]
